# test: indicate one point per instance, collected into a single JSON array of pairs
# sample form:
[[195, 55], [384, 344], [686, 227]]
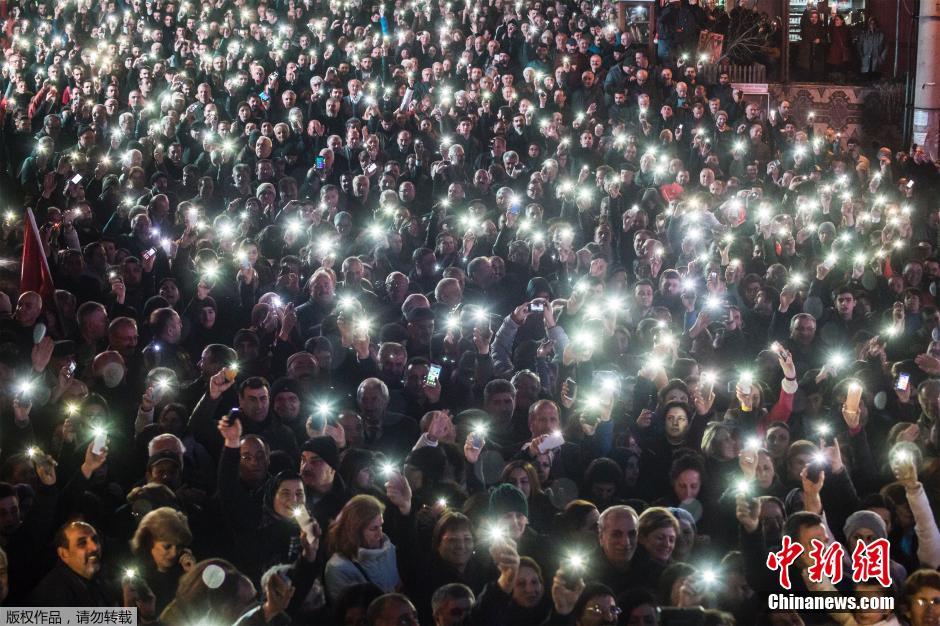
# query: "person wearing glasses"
[[922, 597], [582, 605]]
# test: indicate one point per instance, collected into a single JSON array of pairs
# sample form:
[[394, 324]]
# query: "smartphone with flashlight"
[[814, 469], [910, 184], [434, 375], [904, 380], [607, 381]]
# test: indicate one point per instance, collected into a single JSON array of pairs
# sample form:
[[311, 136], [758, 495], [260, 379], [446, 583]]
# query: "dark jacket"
[[63, 587]]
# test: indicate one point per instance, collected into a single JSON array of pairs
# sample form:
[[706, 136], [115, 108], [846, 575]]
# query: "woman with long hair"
[[360, 551], [524, 476]]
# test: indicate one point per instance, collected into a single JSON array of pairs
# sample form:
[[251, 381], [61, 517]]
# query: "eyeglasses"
[[613, 611], [926, 602]]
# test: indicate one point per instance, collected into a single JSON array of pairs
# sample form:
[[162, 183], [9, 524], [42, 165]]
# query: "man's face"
[[804, 332], [415, 377], [287, 405], [398, 613], [165, 472], [392, 366], [544, 420], [372, 402], [252, 462], [315, 472], [83, 554], [644, 295], [452, 612], [501, 405], [806, 536], [254, 403], [618, 538], [845, 305], [28, 308], [123, 339]]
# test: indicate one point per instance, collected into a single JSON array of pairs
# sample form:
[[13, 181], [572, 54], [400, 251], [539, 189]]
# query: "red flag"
[[34, 273]]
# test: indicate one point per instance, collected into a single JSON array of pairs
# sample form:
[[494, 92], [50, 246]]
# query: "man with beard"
[[392, 357], [325, 490], [286, 403], [303, 368], [670, 290], [74, 581], [122, 338]]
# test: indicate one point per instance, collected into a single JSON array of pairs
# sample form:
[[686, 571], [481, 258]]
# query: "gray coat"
[[871, 50], [377, 566]]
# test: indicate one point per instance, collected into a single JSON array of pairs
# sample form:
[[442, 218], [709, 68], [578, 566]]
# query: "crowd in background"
[[442, 313]]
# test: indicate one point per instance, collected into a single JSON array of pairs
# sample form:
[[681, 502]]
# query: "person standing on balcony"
[[812, 50], [871, 50], [840, 47]]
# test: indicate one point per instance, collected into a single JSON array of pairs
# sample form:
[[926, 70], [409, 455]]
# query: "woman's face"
[[660, 543], [687, 485], [677, 423], [777, 441], [527, 589], [685, 541], [765, 471], [456, 546], [631, 471], [289, 496], [520, 478], [364, 478], [372, 534], [164, 554], [207, 317], [726, 448]]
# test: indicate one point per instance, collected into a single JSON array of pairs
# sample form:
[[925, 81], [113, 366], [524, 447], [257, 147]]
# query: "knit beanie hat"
[[865, 519], [506, 498]]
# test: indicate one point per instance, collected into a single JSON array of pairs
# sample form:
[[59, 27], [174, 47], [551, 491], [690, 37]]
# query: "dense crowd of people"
[[452, 314]]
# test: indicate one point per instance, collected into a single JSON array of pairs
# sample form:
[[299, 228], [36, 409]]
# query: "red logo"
[[869, 561]]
